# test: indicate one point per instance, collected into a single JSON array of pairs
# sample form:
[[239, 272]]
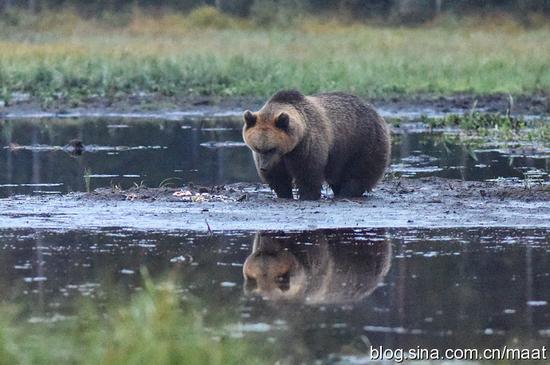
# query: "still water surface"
[[35, 155], [319, 294], [337, 291]]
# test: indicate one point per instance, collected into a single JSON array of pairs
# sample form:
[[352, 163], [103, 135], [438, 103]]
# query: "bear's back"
[[347, 111], [355, 124], [358, 131]]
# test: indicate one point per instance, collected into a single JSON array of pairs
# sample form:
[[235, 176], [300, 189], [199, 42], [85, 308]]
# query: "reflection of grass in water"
[[156, 327], [202, 54], [87, 179], [140, 185]]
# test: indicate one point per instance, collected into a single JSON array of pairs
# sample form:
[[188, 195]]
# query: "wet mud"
[[452, 247], [425, 202], [405, 105]]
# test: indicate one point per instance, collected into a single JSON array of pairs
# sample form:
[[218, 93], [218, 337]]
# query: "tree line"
[[357, 9]]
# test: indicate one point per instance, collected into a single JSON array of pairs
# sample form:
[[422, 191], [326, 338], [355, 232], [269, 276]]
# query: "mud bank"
[[411, 203], [185, 106]]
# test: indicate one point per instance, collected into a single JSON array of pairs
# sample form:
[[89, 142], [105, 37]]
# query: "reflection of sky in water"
[[34, 155], [475, 287]]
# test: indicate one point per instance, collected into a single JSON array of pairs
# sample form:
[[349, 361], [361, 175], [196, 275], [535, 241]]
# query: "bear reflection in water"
[[316, 267]]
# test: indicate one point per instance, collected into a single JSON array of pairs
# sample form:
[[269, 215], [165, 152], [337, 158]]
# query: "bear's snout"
[[267, 161]]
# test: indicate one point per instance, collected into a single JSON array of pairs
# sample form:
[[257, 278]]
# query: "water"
[[320, 295], [397, 288], [35, 156]]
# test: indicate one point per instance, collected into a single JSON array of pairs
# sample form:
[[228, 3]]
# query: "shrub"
[[209, 17]]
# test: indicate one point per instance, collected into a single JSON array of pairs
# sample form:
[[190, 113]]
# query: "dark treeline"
[[401, 10]]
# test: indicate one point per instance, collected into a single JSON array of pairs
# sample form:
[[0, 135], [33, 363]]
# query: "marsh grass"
[[494, 126], [477, 120], [205, 53], [170, 182], [155, 327]]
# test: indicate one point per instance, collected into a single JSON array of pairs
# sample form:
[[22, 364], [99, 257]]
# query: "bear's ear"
[[282, 121], [249, 118]]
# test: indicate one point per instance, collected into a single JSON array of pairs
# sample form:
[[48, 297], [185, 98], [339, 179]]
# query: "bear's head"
[[272, 132], [273, 272]]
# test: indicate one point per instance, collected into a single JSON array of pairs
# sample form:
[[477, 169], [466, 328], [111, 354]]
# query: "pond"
[[333, 292], [37, 157], [320, 294]]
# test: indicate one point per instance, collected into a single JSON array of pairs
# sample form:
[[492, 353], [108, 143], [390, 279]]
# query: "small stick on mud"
[[351, 201], [398, 185]]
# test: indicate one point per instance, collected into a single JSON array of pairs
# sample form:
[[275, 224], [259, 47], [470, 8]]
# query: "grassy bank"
[[53, 56], [156, 327]]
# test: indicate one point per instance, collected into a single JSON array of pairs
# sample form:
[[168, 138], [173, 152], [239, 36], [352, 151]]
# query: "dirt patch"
[[189, 193], [392, 189], [538, 104], [403, 203], [460, 103]]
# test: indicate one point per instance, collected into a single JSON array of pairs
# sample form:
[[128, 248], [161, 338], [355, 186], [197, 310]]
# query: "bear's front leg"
[[279, 180], [283, 189], [310, 188], [309, 179]]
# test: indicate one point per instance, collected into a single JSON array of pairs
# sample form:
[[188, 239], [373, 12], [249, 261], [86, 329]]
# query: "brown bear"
[[307, 140]]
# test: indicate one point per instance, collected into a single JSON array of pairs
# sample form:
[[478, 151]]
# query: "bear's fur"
[[307, 140]]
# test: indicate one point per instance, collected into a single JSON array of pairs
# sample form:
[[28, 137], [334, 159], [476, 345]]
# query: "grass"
[[475, 121], [493, 126], [156, 327], [61, 56]]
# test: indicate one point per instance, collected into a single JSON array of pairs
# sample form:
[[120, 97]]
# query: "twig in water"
[[210, 233]]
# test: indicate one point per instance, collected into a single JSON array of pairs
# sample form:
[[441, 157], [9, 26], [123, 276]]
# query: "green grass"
[[492, 126], [56, 56], [156, 327], [476, 120]]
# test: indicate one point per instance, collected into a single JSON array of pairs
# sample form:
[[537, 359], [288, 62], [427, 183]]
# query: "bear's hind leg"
[[361, 174], [352, 188], [336, 188]]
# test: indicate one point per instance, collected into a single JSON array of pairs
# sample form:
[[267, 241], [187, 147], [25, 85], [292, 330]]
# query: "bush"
[[277, 13], [209, 17]]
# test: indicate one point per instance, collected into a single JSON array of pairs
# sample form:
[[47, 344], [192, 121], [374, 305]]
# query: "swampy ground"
[[159, 227], [154, 241]]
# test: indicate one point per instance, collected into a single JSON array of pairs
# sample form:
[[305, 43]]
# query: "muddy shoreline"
[[415, 105], [401, 203]]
